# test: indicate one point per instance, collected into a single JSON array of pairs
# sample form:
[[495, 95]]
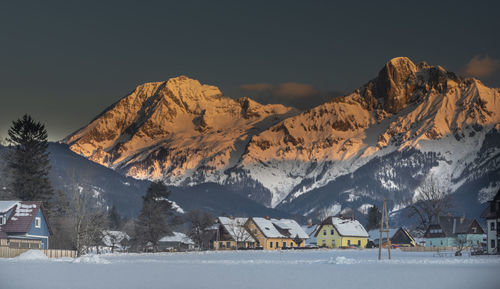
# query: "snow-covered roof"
[[110, 238], [375, 234], [311, 231], [236, 228], [178, 237], [7, 205], [282, 228], [293, 227], [346, 227]]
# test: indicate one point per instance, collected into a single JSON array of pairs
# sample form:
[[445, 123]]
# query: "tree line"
[[77, 221]]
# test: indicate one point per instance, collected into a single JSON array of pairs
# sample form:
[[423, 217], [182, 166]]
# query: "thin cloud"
[[481, 67], [299, 95], [260, 87]]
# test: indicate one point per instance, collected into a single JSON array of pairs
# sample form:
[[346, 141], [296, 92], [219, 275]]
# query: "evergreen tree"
[[156, 218], [374, 217], [115, 220], [28, 160]]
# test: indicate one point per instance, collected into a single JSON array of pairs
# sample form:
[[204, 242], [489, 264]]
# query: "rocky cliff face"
[[179, 130], [383, 139], [406, 106]]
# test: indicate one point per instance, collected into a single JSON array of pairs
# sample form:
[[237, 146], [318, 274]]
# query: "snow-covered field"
[[253, 269]]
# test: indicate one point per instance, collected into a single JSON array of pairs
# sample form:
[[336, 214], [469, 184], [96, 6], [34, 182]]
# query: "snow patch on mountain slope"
[[179, 131], [444, 114]]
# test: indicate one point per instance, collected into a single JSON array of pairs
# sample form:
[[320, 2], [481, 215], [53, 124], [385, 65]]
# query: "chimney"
[[309, 222], [454, 225], [231, 217], [267, 218]]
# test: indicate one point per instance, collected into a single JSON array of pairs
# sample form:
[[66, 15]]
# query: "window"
[[1, 219], [34, 245], [324, 232], [359, 243], [441, 242], [221, 245], [492, 226], [332, 232], [38, 222], [492, 243], [348, 242], [324, 243], [228, 244], [284, 244], [270, 244], [474, 230], [277, 244]]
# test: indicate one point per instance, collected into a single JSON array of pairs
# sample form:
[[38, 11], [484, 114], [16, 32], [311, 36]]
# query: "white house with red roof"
[[20, 220]]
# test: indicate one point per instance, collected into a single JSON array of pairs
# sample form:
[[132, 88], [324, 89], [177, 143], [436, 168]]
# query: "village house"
[[273, 234], [492, 216], [310, 230], [399, 237], [450, 231], [23, 225], [335, 232], [178, 242], [231, 234]]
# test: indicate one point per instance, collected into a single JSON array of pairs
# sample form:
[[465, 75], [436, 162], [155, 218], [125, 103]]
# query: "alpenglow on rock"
[[382, 140], [178, 130], [407, 106]]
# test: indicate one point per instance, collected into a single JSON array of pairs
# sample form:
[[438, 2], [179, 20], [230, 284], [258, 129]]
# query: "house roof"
[[346, 227], [452, 226], [7, 205], [311, 232], [22, 217], [375, 234], [235, 227], [178, 237], [109, 237], [282, 228]]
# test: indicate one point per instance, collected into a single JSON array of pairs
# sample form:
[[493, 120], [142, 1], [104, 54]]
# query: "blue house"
[[452, 231], [21, 221]]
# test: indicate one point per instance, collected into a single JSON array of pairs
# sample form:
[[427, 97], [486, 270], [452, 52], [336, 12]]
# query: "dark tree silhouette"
[[157, 218], [28, 160], [374, 217]]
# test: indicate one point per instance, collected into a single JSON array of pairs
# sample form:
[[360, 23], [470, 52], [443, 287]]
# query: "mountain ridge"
[[274, 155]]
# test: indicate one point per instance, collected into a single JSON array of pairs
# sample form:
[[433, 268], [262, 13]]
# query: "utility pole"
[[384, 222]]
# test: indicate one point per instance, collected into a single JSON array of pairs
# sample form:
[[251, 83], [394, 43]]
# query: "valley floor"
[[254, 269]]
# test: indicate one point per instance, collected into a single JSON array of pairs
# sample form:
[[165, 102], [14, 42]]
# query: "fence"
[[429, 249], [6, 252]]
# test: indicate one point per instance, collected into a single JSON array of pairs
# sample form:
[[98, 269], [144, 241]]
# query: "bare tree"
[[114, 239], [433, 200], [238, 231], [88, 221], [199, 229]]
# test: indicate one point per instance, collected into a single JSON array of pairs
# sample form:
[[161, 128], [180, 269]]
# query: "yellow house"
[[274, 234], [335, 232]]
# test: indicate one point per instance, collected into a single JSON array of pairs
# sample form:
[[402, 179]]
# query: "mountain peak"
[[395, 83]]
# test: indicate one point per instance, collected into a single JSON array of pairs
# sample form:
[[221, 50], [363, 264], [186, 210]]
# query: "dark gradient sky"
[[65, 61]]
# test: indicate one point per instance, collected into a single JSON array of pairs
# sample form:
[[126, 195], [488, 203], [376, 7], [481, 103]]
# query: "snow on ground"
[[255, 269], [32, 255]]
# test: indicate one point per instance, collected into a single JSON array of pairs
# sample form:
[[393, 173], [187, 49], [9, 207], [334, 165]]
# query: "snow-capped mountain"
[[178, 130], [408, 106], [382, 140]]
